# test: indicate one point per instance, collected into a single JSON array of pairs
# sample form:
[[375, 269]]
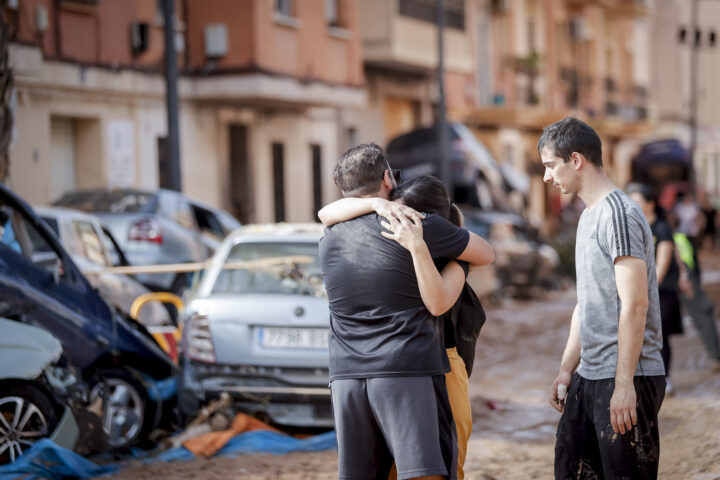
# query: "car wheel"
[[26, 416], [126, 409]]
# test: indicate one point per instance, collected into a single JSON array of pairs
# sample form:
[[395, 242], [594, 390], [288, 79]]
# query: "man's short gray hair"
[[359, 171]]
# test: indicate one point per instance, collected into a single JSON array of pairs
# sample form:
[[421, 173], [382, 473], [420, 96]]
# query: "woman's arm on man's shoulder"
[[352, 207], [478, 252]]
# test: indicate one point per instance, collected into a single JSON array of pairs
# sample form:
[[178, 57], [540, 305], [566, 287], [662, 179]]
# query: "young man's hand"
[[563, 378], [623, 408]]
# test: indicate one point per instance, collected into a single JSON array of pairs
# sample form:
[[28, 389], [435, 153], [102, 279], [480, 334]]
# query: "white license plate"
[[294, 337]]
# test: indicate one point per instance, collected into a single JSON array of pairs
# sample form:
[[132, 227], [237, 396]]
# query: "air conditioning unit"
[[139, 37], [216, 40]]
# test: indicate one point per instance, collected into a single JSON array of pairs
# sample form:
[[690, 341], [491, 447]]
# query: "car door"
[[40, 286], [185, 240], [208, 223]]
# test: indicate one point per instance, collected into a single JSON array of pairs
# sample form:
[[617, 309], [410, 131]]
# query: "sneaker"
[[669, 389]]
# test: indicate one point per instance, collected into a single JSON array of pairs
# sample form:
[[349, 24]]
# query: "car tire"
[[128, 413], [16, 438]]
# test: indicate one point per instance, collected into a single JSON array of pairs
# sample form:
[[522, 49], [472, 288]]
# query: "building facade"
[[273, 91], [675, 33], [264, 89], [550, 59], [400, 55]]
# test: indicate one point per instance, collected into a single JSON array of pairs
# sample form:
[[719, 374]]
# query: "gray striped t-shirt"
[[613, 228]]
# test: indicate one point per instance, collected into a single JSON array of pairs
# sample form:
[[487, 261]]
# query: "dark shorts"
[[586, 446], [403, 419]]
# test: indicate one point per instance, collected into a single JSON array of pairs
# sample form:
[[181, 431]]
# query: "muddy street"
[[514, 427]]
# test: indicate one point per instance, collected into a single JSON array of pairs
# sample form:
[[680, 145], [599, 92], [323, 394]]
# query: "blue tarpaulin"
[[48, 460], [258, 441]]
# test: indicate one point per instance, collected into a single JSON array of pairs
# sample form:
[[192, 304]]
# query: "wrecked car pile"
[[114, 356], [99, 380]]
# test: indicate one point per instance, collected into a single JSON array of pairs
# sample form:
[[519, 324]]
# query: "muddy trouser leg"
[[577, 455], [666, 305], [634, 455], [700, 309]]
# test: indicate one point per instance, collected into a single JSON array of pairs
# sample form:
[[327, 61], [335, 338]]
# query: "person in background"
[[709, 236], [695, 301], [666, 266], [689, 218]]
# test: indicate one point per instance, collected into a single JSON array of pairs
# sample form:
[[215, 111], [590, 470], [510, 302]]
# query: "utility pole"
[[171, 97], [441, 122], [694, 46]]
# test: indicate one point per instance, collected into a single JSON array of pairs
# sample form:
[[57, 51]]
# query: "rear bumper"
[[300, 405]]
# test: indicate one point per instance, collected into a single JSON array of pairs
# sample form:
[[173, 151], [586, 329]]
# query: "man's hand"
[[394, 210], [623, 412], [563, 378]]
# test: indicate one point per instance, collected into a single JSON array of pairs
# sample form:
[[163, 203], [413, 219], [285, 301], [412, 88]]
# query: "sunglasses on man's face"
[[395, 172]]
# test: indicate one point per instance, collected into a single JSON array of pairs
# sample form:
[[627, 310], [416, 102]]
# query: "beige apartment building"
[[265, 89], [671, 80], [400, 54], [552, 58], [272, 91], [513, 66]]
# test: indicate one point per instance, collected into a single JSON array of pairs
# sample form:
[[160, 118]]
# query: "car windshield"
[[114, 201], [272, 268]]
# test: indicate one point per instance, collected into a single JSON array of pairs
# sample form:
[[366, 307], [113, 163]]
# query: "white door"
[[62, 156]]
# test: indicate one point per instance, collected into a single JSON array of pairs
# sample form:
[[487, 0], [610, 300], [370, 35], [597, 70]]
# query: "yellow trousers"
[[457, 388]]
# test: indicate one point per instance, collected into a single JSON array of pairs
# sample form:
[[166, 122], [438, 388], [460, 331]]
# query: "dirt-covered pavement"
[[513, 437]]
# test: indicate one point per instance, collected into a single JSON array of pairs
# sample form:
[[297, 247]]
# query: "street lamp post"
[[442, 133]]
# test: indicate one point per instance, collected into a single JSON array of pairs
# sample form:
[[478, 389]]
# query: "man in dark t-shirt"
[[387, 362]]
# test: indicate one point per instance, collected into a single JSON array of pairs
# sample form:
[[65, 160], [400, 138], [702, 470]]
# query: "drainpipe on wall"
[[171, 97]]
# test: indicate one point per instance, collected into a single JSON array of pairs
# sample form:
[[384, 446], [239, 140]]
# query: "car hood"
[[25, 351], [236, 322]]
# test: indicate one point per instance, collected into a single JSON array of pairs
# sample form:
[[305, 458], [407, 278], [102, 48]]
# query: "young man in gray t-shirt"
[[611, 367]]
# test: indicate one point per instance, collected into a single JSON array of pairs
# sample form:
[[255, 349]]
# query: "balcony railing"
[[426, 10]]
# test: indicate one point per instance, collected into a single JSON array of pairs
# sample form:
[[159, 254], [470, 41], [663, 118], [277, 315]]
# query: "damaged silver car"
[[256, 326], [34, 391]]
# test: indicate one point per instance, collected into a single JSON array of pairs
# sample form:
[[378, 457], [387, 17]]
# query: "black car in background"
[[474, 177], [41, 286], [522, 258]]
